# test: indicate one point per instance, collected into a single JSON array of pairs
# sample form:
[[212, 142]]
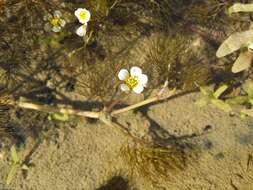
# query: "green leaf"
[[11, 173], [243, 62], [58, 116], [202, 101], [220, 90], [14, 155], [237, 100], [248, 87], [234, 42], [240, 7], [221, 105], [251, 101], [24, 167]]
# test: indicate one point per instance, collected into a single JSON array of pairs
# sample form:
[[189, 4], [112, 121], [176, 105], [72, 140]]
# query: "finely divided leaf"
[[234, 42]]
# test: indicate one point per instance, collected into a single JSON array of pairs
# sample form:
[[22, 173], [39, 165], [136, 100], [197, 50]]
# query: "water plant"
[[16, 163], [212, 96], [238, 40]]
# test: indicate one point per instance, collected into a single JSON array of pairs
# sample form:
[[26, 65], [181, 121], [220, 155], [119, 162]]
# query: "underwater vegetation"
[[72, 58]]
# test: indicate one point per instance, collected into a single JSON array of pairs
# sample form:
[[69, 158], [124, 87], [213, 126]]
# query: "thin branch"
[[53, 109]]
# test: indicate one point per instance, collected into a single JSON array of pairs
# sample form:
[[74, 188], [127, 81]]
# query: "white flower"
[[55, 22], [83, 15], [135, 80], [81, 31]]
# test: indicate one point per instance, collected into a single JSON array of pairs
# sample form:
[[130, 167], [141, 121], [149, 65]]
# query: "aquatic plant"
[[135, 81], [212, 96], [16, 163], [55, 21], [238, 40], [83, 16], [158, 163]]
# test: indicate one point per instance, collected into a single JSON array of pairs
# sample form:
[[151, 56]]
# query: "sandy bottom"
[[87, 157]]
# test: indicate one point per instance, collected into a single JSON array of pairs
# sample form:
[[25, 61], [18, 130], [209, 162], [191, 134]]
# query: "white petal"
[[85, 12], [81, 31], [62, 23], [124, 88], [57, 14], [138, 89], [123, 74], [143, 79], [135, 71], [56, 28]]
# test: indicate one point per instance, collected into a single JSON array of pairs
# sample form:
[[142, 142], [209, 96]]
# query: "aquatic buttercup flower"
[[55, 22], [83, 15], [135, 80], [81, 31]]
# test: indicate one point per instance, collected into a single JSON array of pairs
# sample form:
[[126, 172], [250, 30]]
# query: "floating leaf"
[[234, 42], [243, 62], [220, 90], [237, 100], [221, 105], [14, 155], [11, 174], [240, 7]]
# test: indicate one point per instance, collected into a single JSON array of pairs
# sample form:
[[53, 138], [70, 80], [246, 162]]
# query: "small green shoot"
[[212, 97], [245, 99], [16, 162], [58, 117]]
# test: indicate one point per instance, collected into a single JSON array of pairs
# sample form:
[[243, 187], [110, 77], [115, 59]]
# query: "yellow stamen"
[[132, 81], [55, 21], [83, 15]]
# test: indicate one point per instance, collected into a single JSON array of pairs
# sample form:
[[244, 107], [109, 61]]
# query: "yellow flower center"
[[83, 15], [55, 21], [132, 81]]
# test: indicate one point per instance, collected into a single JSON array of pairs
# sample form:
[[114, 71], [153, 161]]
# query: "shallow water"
[[94, 144]]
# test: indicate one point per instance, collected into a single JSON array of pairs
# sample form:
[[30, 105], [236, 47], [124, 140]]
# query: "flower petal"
[[135, 71], [62, 23], [57, 14], [138, 89], [124, 88], [81, 31], [56, 28], [85, 12], [143, 79], [123, 74]]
